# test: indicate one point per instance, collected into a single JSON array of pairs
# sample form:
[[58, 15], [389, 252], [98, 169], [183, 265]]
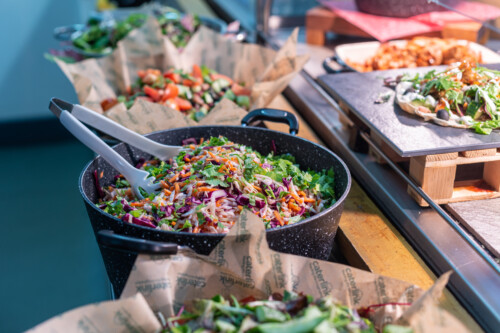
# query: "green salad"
[[290, 313], [205, 189], [101, 38]]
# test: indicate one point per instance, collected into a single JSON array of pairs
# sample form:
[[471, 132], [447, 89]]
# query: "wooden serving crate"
[[321, 20], [437, 174]]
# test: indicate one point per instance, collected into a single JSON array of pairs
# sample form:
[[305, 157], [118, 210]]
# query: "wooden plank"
[[479, 153], [466, 30], [437, 181], [315, 36], [491, 174], [482, 219], [323, 19]]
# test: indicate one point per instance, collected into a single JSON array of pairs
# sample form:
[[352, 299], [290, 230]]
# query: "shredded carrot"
[[201, 140], [293, 207], [219, 203], [296, 197], [137, 204], [278, 217], [167, 192], [187, 174], [309, 200], [196, 230], [174, 223], [174, 178], [101, 174], [177, 188], [212, 155], [257, 188], [301, 193], [206, 189], [192, 147], [233, 169], [221, 169], [164, 184], [240, 208], [187, 159]]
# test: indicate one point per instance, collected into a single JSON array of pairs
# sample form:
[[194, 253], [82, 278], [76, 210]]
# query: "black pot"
[[312, 237], [397, 8]]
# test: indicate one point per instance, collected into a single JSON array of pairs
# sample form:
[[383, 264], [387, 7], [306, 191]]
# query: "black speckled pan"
[[312, 237]]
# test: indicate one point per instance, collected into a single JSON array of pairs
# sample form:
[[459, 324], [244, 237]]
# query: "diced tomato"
[[108, 103], [141, 73], [155, 72], [173, 76], [171, 91], [152, 92], [183, 104], [190, 83], [247, 299], [240, 90], [215, 76], [197, 72], [172, 103]]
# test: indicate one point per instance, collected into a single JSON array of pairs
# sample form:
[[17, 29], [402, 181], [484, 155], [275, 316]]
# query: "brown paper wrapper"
[[265, 71], [242, 264], [130, 314]]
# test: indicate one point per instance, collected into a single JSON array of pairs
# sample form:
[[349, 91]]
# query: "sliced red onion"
[[187, 21], [126, 207], [140, 163], [273, 147], [218, 194], [260, 204], [184, 209], [127, 218], [142, 222], [168, 210], [287, 181], [189, 141], [242, 200]]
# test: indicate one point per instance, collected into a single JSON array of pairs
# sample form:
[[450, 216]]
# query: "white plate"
[[360, 52]]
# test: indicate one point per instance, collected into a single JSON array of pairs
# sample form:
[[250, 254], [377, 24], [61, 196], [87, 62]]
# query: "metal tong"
[[72, 116]]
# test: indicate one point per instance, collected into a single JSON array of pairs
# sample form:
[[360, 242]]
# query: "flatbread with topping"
[[462, 96]]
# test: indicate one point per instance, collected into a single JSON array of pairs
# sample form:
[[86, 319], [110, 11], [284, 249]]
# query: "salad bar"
[[212, 212]]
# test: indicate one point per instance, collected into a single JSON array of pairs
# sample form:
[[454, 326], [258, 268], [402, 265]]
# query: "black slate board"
[[407, 134]]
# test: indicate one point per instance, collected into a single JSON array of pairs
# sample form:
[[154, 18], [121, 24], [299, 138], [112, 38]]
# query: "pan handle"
[[274, 115], [130, 244], [329, 69]]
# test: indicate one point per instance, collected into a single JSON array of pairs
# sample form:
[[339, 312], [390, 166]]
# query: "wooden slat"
[[479, 153]]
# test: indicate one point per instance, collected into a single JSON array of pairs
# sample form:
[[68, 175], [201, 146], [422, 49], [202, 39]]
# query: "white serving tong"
[[72, 116]]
